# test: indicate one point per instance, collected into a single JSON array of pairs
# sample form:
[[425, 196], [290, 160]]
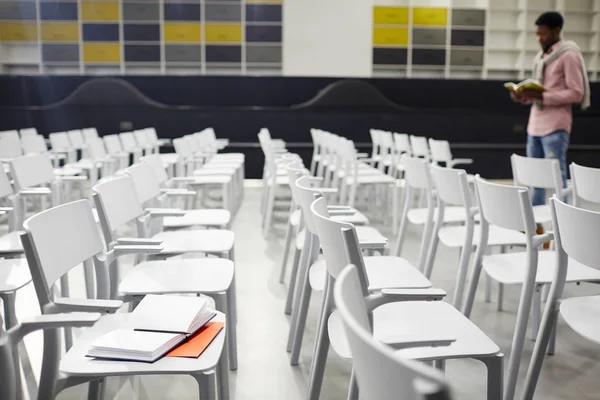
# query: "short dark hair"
[[551, 19]]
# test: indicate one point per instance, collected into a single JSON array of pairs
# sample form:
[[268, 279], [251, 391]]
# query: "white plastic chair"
[[141, 139], [378, 370], [185, 174], [130, 146], [10, 145], [115, 150], [398, 314], [208, 217], [576, 233], [441, 153], [452, 189], [56, 241], [60, 144], [510, 207], [381, 272], [419, 147], [542, 173], [77, 141], [586, 191]]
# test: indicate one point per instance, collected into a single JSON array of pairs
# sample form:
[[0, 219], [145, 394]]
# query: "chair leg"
[[10, 320], [500, 296], [293, 277], [302, 265], [206, 385], [96, 389], [536, 312], [64, 291], [488, 288], [541, 344], [286, 251], [353, 389], [495, 374], [317, 370], [269, 211]]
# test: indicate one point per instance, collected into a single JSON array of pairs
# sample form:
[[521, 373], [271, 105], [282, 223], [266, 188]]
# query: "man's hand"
[[531, 95], [515, 97]]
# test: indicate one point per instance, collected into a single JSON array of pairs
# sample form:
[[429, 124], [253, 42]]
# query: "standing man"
[[560, 68]]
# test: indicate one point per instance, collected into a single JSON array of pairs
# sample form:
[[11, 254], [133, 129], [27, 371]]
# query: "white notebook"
[[157, 325]]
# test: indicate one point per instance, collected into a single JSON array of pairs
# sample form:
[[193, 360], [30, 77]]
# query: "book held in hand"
[[155, 327], [527, 84]]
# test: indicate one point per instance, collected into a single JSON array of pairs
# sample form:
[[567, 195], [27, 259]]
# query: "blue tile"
[[58, 11], [100, 32]]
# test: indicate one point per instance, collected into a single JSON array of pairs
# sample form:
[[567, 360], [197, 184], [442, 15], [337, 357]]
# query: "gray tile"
[[223, 12]]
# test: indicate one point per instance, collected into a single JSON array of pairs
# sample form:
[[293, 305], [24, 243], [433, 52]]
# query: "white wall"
[[327, 38]]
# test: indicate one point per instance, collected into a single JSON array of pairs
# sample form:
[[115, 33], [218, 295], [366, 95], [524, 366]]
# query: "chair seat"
[[581, 314], [14, 274], [282, 180], [510, 268], [10, 243], [357, 218], [202, 241], [364, 233], [454, 236], [204, 217], [210, 179], [229, 156], [365, 170], [170, 158], [418, 216], [371, 179], [418, 319], [209, 171], [68, 171], [542, 214], [75, 362], [190, 275], [383, 272]]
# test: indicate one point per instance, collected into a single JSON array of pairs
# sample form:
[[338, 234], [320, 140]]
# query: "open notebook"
[[527, 84], [157, 325]]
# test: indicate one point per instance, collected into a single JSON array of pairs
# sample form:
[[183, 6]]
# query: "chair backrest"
[[151, 136], [305, 196], [117, 203], [330, 237], [381, 374], [59, 141], [33, 144], [113, 144], [76, 138], [128, 141], [160, 173], [578, 231], [10, 144], [419, 147], [32, 170], [417, 174], [536, 172], [440, 151], [506, 206], [140, 137], [586, 185], [402, 143], [28, 132], [96, 149], [61, 238], [451, 185], [89, 134], [376, 139], [5, 186], [146, 184]]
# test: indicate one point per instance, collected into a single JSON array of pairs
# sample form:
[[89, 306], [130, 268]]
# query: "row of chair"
[[59, 239], [502, 217]]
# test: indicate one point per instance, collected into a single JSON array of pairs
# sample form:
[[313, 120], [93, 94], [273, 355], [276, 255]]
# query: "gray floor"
[[264, 371]]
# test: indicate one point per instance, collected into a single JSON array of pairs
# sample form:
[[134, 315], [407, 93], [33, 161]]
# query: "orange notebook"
[[196, 345]]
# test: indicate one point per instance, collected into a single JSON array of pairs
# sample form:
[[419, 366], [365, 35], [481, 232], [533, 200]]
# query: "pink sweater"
[[563, 81]]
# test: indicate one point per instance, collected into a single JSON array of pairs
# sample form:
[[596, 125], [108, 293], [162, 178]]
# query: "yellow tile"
[[390, 15], [265, 1], [60, 31], [430, 16], [102, 53], [223, 33], [18, 32], [182, 33], [100, 12], [390, 36]]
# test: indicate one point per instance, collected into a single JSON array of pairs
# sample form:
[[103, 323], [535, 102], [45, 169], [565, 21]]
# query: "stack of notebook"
[[156, 326]]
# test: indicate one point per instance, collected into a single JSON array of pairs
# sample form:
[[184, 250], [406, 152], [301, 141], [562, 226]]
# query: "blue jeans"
[[553, 145]]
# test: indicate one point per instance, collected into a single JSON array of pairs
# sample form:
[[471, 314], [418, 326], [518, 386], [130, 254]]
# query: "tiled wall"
[[230, 34]]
